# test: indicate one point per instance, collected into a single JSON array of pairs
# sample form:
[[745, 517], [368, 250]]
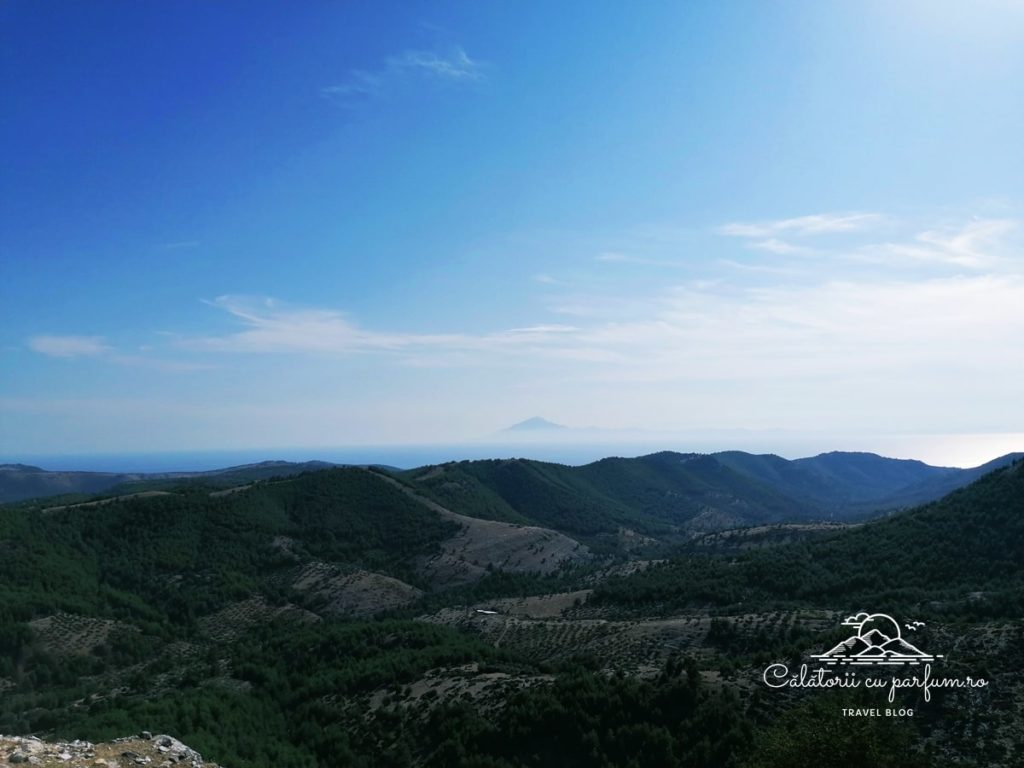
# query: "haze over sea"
[[938, 449]]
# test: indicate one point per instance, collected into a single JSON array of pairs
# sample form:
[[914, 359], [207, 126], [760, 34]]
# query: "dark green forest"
[[294, 712], [663, 492], [961, 554]]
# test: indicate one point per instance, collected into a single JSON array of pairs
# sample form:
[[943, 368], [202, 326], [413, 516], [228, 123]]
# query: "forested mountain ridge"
[[187, 553], [190, 552], [845, 482], [937, 487], [697, 492], [23, 481], [962, 553], [672, 493]]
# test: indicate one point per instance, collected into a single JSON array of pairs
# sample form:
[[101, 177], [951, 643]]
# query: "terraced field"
[[485, 689], [67, 634], [559, 626], [235, 620]]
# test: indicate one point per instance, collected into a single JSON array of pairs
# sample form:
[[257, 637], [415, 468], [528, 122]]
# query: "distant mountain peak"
[[534, 424]]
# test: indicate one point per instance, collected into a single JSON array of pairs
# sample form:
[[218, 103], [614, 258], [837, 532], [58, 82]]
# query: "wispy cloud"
[[96, 347], [977, 245], [615, 257], [69, 346], [540, 330], [757, 342], [271, 326], [799, 236], [781, 247], [769, 269], [855, 312], [710, 328], [802, 226], [836, 327], [454, 66]]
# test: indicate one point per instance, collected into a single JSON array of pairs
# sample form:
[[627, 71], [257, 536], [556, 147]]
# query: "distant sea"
[[401, 456], [956, 450]]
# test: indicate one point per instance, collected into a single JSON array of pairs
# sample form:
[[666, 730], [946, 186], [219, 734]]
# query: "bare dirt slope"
[[352, 592], [483, 545]]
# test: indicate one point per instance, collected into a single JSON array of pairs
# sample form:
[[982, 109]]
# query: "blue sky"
[[246, 225]]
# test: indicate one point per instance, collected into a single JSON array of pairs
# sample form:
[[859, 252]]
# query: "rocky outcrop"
[[144, 749]]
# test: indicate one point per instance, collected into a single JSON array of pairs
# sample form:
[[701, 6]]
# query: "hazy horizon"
[[937, 450]]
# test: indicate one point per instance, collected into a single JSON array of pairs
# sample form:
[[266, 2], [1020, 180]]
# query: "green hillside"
[[552, 495], [20, 481], [173, 557], [961, 554], [656, 495], [678, 487], [837, 480]]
